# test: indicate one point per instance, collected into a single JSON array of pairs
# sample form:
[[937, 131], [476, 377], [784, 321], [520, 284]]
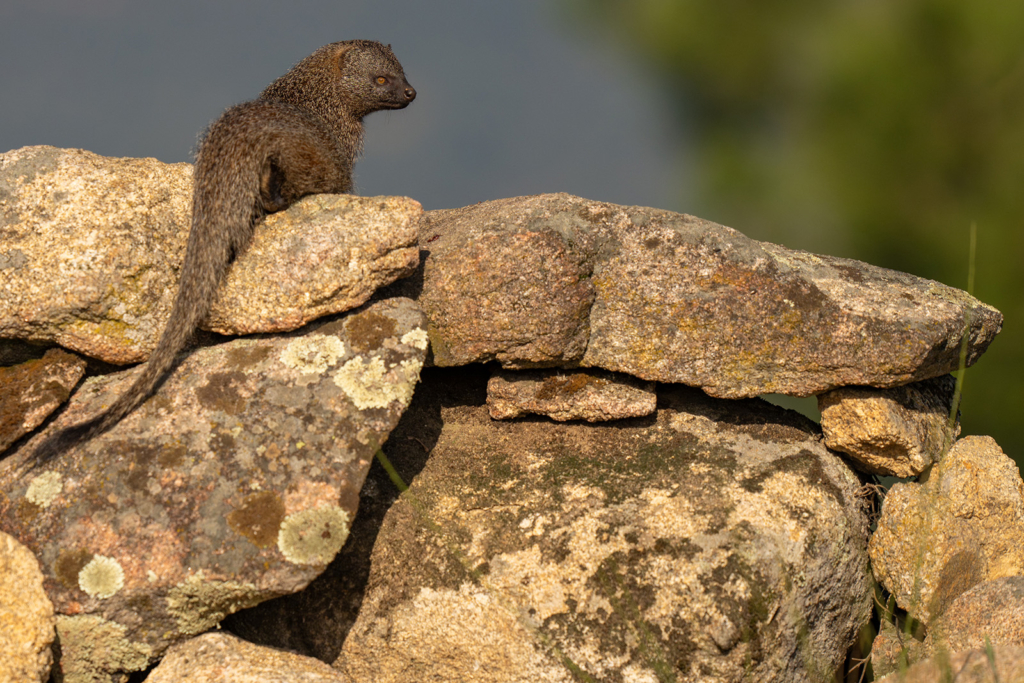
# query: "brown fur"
[[301, 136]]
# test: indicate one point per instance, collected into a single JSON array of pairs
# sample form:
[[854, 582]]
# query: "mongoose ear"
[[339, 56]]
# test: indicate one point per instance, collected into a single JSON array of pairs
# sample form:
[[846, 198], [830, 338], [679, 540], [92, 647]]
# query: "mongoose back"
[[300, 137]]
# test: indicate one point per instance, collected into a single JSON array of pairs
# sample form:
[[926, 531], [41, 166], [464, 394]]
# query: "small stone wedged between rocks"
[[897, 432], [591, 395], [34, 389], [892, 649]]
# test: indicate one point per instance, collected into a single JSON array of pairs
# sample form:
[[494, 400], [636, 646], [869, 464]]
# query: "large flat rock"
[[556, 280]]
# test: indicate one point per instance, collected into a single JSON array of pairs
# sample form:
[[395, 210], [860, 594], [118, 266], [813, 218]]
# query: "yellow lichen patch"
[[44, 489], [417, 338], [198, 604], [313, 353], [313, 536], [92, 648], [372, 385], [102, 577]]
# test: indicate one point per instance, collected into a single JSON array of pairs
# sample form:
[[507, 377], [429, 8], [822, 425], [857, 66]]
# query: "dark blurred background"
[[872, 129]]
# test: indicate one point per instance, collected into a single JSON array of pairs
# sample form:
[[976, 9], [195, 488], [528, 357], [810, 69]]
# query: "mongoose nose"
[[410, 94]]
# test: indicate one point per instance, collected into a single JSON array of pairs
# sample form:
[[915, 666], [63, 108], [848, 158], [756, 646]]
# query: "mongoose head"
[[371, 73], [347, 79]]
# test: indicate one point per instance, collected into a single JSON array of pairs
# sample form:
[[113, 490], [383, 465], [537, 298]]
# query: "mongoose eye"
[[381, 80]]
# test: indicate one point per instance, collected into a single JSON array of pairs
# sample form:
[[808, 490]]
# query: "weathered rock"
[[235, 483], [721, 540], [326, 254], [1002, 665], [222, 658], [893, 649], [33, 390], [591, 395], [555, 280], [90, 249], [316, 620], [962, 526], [26, 616], [992, 611], [503, 291], [900, 431]]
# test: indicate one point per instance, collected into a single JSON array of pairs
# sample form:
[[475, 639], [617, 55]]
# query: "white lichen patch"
[[313, 353], [313, 536], [372, 385], [416, 338], [44, 489], [102, 577]]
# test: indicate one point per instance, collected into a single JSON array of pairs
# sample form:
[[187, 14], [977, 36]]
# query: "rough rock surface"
[[235, 483], [223, 658], [591, 395], [325, 254], [962, 526], [33, 390], [1004, 664], [555, 280], [26, 616], [715, 540], [316, 620], [899, 431], [90, 249], [993, 610]]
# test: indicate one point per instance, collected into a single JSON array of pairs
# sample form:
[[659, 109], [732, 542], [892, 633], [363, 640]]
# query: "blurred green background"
[[873, 129]]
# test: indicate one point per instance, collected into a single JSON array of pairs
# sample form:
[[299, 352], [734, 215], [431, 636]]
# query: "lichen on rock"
[[374, 385], [313, 536], [313, 353], [44, 488], [102, 577]]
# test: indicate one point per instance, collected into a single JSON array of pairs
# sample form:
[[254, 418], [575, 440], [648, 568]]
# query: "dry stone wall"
[[579, 508]]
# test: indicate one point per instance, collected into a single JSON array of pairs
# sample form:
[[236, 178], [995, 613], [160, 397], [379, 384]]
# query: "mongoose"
[[300, 136]]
